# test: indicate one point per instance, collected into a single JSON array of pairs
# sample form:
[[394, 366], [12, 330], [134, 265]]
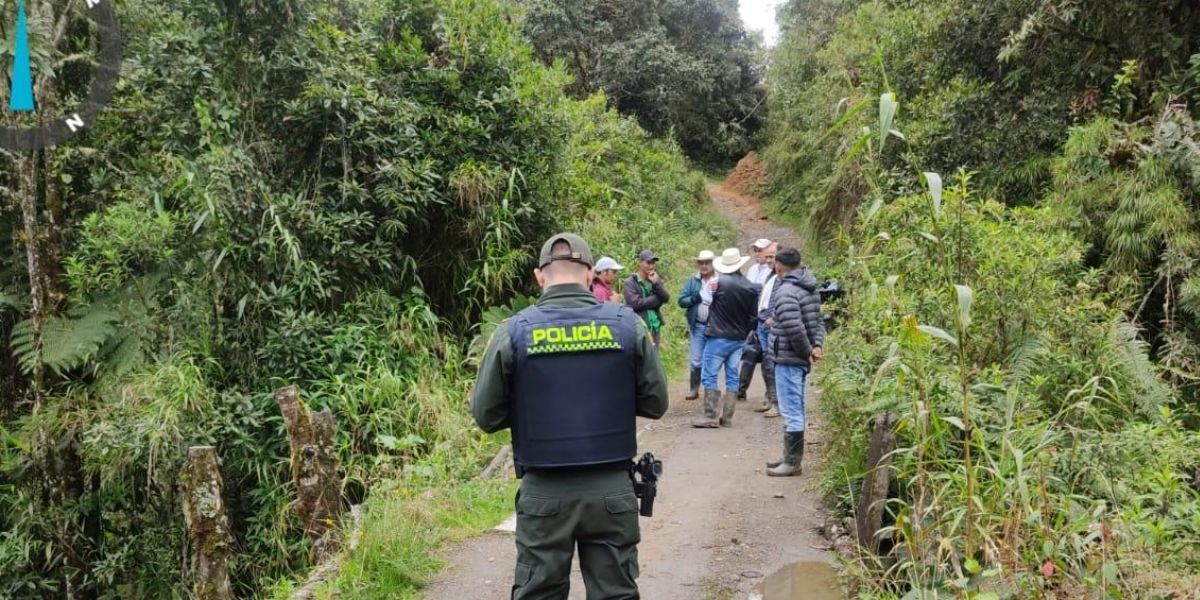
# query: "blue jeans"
[[720, 352], [764, 338], [696, 346], [789, 385]]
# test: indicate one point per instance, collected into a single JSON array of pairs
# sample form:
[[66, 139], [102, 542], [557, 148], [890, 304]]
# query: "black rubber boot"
[[694, 391], [793, 455], [745, 374], [772, 465]]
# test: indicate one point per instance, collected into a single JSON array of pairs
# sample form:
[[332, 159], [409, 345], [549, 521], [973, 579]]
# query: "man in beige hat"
[[696, 298], [732, 316]]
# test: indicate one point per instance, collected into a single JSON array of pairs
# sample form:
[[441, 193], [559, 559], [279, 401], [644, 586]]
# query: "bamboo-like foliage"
[[290, 192], [982, 329]]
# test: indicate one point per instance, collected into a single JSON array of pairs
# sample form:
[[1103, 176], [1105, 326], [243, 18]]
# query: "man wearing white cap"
[[764, 255], [606, 275], [696, 298], [733, 314]]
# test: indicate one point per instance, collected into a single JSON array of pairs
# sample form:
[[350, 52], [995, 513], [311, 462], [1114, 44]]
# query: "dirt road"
[[720, 524]]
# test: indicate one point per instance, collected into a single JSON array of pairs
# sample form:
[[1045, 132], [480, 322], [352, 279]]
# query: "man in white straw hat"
[[696, 298], [733, 314]]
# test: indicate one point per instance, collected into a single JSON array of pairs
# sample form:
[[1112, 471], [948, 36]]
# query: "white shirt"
[[759, 273], [764, 300]]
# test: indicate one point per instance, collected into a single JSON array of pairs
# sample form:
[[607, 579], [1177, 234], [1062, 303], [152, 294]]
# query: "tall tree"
[[685, 68]]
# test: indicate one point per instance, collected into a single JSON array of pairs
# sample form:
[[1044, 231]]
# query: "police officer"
[[568, 376]]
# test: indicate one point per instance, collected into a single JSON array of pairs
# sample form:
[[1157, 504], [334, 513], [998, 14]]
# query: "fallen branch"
[[500, 459]]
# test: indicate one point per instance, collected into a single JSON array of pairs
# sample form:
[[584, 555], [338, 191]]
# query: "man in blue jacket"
[[696, 298]]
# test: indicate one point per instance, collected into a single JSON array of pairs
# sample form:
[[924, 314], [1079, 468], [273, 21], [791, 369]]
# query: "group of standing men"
[[771, 314]]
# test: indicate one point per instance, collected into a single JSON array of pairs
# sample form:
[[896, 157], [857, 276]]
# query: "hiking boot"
[[772, 411], [709, 419], [728, 404], [745, 374], [793, 454], [694, 391]]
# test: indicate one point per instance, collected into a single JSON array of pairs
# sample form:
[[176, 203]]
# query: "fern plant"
[[68, 341]]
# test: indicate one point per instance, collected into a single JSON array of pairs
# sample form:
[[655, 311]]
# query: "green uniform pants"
[[596, 510]]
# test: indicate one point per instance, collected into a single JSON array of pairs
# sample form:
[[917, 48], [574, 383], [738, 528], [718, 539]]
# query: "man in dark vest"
[[568, 376]]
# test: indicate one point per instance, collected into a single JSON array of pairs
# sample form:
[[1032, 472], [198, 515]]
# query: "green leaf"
[[965, 297], [971, 565], [1109, 570], [10, 300], [934, 181], [876, 204], [887, 113], [957, 422], [68, 342], [939, 333], [840, 123]]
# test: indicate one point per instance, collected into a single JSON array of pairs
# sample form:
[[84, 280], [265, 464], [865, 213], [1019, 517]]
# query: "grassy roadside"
[[402, 529]]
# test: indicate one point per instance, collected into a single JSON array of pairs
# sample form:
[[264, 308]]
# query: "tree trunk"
[[315, 471], [869, 515], [27, 192], [207, 527]]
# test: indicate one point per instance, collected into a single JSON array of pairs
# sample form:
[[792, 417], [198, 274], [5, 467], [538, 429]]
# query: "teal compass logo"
[[87, 29]]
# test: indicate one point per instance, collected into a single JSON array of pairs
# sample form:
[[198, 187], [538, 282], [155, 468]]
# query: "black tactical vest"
[[574, 400]]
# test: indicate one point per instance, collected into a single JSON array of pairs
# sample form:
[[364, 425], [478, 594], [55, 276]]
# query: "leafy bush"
[[1017, 396], [327, 194]]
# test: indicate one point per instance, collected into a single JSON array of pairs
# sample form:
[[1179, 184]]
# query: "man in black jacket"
[[796, 338], [733, 314]]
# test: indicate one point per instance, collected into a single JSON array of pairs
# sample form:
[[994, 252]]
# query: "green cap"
[[580, 252]]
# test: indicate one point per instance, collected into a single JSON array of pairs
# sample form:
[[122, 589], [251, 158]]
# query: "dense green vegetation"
[[684, 68], [1010, 191], [347, 195], [331, 194]]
